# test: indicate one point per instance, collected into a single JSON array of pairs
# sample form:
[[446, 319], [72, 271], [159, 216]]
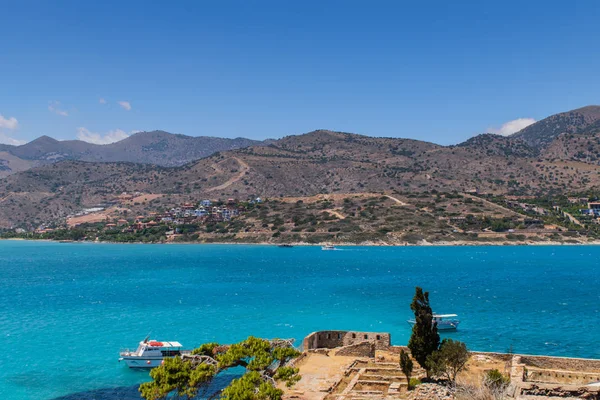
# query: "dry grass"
[[480, 392]]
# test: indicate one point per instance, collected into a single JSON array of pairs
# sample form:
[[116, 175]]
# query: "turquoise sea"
[[67, 309]]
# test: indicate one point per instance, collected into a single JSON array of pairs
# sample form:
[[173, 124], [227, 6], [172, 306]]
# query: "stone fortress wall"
[[335, 339]]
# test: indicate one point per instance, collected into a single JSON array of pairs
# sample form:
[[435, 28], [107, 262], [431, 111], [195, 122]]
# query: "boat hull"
[[443, 326], [142, 362]]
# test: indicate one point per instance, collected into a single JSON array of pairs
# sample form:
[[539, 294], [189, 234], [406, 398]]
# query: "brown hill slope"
[[542, 133], [498, 145], [302, 165], [583, 146], [10, 164]]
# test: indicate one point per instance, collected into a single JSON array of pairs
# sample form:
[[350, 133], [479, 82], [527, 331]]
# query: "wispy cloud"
[[125, 105], [92, 137], [510, 127], [102, 100], [4, 139], [55, 107], [8, 123]]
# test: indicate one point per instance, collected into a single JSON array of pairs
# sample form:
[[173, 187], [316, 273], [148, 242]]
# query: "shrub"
[[449, 360], [494, 379], [406, 365], [414, 382]]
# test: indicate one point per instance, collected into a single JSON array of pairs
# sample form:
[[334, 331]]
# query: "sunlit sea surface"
[[67, 309]]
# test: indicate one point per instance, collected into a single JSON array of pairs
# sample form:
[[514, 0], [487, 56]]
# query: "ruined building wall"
[[569, 364], [364, 349], [333, 339]]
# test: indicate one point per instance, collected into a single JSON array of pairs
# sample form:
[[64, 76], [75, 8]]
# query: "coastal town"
[[116, 218], [354, 218]]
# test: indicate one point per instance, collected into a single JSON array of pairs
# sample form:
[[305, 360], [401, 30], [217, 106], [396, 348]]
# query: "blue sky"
[[436, 71]]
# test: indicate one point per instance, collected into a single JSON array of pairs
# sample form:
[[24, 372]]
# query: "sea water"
[[67, 309]]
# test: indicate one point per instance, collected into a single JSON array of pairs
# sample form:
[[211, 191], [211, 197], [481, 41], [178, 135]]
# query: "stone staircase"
[[380, 380]]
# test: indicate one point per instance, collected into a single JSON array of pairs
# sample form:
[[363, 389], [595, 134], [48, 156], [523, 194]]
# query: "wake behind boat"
[[150, 353], [445, 322]]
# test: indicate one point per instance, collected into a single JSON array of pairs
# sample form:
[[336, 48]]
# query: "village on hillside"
[[118, 220], [355, 218]]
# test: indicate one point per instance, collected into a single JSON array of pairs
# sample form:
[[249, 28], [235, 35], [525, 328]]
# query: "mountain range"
[[156, 147], [560, 154]]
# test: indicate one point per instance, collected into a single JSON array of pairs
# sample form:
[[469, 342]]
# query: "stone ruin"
[[362, 343], [372, 376], [554, 377]]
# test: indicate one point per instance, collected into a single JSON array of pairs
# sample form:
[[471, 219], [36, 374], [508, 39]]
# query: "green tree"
[[251, 386], [425, 338], [289, 375], [207, 349], [449, 360], [406, 365], [175, 376], [264, 361]]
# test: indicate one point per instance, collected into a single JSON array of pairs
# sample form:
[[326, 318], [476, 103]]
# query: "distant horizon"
[[243, 137], [293, 134], [511, 128]]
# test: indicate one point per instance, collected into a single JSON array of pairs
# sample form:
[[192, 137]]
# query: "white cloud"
[[96, 138], [8, 123], [11, 124], [54, 107], [8, 140], [125, 105], [102, 100], [510, 127]]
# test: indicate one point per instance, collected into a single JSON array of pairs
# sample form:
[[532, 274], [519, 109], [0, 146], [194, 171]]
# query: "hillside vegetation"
[[324, 162]]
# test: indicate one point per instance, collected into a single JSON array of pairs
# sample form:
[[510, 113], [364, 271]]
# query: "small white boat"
[[328, 247], [150, 353], [445, 322]]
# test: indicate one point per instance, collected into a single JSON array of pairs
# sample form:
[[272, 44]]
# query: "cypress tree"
[[425, 338], [406, 365]]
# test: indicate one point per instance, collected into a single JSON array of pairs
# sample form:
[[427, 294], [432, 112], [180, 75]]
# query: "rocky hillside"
[[305, 165], [542, 133], [497, 145], [157, 147]]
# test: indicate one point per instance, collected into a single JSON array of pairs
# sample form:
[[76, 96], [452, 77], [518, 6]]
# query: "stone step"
[[368, 382], [367, 392], [397, 385]]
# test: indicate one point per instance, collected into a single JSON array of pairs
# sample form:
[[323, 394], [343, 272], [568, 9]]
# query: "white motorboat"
[[445, 322], [328, 247], [150, 353]]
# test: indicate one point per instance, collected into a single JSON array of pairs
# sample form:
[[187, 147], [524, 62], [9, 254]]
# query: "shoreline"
[[340, 244]]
